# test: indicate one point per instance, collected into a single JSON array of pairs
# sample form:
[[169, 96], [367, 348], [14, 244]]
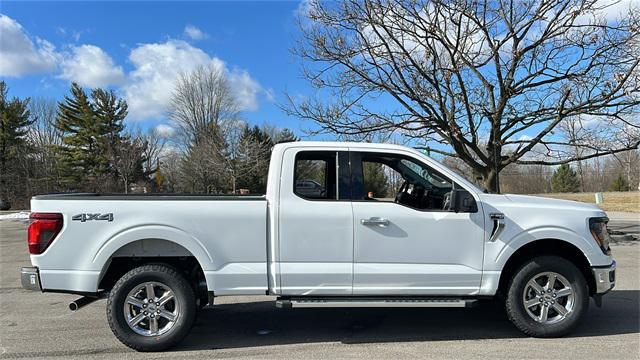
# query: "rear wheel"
[[547, 297], [151, 308]]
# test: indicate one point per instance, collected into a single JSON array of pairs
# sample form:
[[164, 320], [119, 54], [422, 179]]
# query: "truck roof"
[[351, 144]]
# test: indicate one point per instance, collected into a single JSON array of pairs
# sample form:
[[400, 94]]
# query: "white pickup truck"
[[341, 225]]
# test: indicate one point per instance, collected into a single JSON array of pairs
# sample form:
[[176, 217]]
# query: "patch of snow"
[[22, 215]]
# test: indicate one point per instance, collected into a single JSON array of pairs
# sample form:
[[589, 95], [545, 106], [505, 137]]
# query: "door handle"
[[375, 221]]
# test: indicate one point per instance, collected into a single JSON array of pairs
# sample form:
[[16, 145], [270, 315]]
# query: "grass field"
[[613, 201]]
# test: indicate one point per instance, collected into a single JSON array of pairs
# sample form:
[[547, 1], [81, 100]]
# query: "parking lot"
[[40, 325]]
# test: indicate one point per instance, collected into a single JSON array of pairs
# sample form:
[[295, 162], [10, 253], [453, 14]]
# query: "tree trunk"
[[491, 181], [629, 172], [581, 173]]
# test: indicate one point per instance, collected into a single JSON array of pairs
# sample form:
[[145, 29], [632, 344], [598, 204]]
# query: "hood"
[[538, 202]]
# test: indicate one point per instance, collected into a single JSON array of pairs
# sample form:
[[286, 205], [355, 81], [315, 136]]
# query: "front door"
[[407, 241], [315, 223]]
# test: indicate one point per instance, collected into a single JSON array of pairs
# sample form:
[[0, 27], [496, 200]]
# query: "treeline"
[[620, 172], [82, 144]]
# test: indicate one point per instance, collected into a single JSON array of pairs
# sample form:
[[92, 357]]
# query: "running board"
[[375, 303]]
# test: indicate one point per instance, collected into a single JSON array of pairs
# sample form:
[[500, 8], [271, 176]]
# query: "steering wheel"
[[401, 191], [446, 202]]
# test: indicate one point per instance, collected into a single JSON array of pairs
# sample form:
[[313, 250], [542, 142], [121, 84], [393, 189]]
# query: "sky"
[[138, 48]]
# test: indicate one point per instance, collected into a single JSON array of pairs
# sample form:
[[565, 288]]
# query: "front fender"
[[497, 253], [509, 247]]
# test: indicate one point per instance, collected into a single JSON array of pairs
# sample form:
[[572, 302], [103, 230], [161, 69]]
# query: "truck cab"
[[341, 225]]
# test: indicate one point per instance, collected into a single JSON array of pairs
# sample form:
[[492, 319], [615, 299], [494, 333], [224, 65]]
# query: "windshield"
[[430, 177], [461, 178]]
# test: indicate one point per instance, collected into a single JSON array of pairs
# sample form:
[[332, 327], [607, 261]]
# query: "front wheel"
[[547, 297], [151, 308]]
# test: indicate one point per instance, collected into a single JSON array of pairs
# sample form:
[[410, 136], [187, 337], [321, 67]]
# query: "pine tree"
[[565, 180], [110, 112], [284, 136], [619, 184], [75, 122], [14, 122], [375, 180], [91, 129]]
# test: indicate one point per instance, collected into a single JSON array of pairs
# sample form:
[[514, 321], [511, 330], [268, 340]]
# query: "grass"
[[613, 201]]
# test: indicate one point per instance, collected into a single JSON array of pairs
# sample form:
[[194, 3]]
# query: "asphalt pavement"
[[35, 325]]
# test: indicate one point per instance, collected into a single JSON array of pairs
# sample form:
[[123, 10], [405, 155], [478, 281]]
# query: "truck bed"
[[226, 234]]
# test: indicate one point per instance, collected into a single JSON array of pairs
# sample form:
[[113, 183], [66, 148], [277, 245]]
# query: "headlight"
[[598, 228]]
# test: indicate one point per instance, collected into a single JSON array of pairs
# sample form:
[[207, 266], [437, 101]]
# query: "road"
[[628, 223], [35, 325]]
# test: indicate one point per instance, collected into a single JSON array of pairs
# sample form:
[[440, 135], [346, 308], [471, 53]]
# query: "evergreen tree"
[[110, 113], [90, 129], [619, 184], [284, 136], [14, 120], [565, 180], [375, 180], [254, 154], [78, 152]]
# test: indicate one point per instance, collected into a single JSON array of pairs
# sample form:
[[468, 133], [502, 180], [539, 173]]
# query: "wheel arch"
[[151, 244], [542, 247]]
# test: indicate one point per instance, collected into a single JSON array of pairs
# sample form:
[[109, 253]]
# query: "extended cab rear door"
[[315, 222]]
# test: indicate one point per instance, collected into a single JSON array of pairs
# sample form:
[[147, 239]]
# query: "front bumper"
[[605, 277], [30, 278]]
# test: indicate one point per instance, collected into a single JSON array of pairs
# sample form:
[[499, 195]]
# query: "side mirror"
[[463, 201]]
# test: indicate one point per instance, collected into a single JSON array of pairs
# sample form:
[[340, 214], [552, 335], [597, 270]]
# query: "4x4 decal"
[[89, 217]]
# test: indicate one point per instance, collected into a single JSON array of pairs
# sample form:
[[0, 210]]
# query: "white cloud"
[[90, 66], [165, 130], [20, 56], [157, 66], [245, 88], [147, 88], [194, 33]]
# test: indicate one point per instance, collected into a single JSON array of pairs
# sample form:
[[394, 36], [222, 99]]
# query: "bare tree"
[[127, 159], [487, 81], [201, 107], [43, 137], [574, 131], [235, 144], [202, 101], [153, 152]]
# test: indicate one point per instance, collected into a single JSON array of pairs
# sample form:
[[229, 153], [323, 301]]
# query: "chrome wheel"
[[548, 298], [151, 309]]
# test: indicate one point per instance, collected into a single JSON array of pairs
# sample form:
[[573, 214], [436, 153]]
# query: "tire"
[[134, 285], [529, 319]]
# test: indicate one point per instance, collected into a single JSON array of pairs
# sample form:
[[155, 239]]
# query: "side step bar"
[[374, 303]]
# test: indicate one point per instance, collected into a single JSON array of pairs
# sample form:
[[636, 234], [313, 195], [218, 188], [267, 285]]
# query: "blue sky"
[[136, 47]]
